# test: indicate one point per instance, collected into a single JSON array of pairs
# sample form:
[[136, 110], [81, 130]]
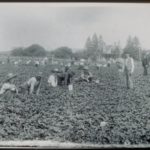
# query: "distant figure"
[[32, 85], [8, 84], [44, 61], [145, 64], [37, 63], [128, 70], [52, 80], [108, 63]]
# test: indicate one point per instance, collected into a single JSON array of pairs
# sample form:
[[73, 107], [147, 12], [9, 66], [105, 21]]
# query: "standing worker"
[[69, 74], [145, 64], [128, 70]]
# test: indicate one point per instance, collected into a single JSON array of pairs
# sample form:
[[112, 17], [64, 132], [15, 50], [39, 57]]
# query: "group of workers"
[[66, 77], [56, 78]]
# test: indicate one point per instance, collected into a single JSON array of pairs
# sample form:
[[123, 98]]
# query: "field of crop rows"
[[57, 114]]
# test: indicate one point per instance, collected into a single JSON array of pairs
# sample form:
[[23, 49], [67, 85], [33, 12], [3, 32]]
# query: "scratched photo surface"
[[76, 73]]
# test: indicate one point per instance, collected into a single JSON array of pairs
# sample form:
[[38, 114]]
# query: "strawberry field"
[[77, 117]]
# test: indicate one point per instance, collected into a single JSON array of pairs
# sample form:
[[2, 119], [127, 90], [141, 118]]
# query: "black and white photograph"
[[75, 75]]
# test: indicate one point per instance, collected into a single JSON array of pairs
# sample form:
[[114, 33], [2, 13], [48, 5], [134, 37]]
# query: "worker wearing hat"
[[32, 85], [8, 85]]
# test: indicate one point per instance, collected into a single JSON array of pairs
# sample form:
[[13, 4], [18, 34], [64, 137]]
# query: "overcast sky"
[[55, 25]]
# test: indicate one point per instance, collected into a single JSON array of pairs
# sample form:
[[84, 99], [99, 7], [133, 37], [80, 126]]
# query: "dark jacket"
[[145, 62]]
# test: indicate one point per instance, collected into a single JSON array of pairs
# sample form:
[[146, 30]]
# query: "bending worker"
[[32, 85], [8, 84]]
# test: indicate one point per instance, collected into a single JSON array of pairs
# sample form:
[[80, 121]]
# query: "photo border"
[[39, 144]]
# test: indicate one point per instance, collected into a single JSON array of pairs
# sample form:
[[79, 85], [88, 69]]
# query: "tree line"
[[33, 50], [95, 48]]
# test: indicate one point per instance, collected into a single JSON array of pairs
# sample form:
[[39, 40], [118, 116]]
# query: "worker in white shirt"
[[32, 85], [8, 84], [52, 80], [128, 70]]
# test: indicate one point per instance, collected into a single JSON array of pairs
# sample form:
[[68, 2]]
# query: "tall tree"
[[116, 50], [88, 48], [101, 45], [63, 52], [33, 50], [88, 44], [18, 51], [95, 42], [136, 42], [137, 47], [133, 48], [95, 50]]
